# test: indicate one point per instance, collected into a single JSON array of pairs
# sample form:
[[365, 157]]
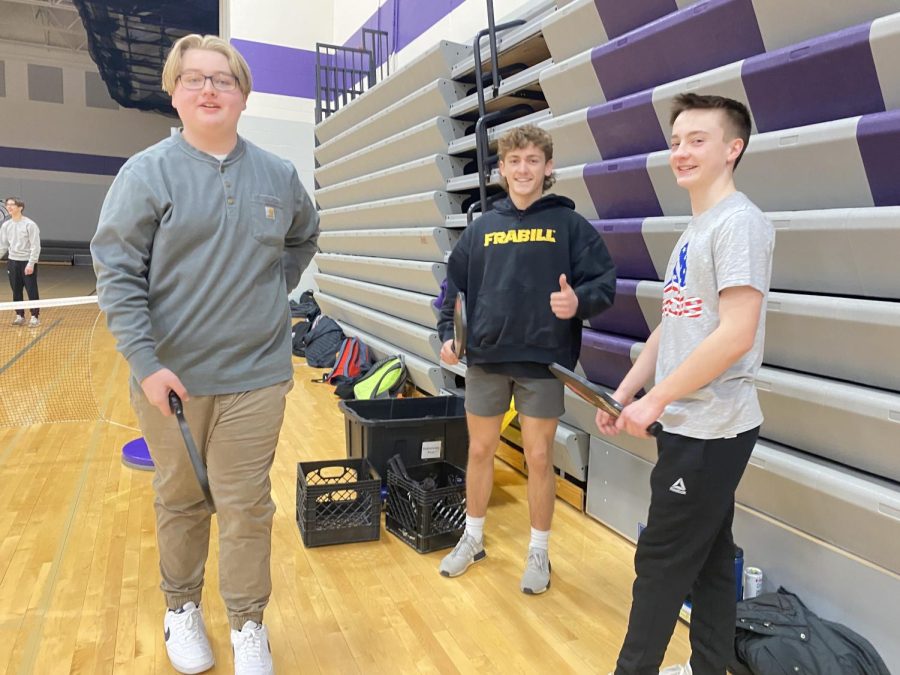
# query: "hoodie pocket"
[[519, 317]]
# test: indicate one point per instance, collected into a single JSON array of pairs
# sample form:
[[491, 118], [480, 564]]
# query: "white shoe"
[[186, 642], [34, 322], [677, 670], [252, 654], [18, 321]]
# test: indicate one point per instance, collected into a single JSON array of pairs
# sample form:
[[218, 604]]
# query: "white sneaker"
[[34, 322], [18, 321], [677, 670], [186, 642], [252, 654]]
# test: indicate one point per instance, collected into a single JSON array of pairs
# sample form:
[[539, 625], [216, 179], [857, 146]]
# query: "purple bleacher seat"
[[625, 317], [621, 188], [626, 126], [695, 39], [620, 17], [606, 359], [878, 136], [626, 245], [827, 78]]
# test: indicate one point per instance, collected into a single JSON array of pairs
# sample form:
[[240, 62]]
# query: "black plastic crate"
[[425, 519], [418, 429], [338, 502]]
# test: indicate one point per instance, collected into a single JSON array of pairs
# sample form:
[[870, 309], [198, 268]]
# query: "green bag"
[[383, 380]]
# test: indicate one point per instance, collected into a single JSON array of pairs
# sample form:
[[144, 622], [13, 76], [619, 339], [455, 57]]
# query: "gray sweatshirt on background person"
[[194, 260]]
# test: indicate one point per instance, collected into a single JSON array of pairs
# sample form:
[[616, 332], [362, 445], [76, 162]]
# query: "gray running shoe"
[[466, 552], [537, 572]]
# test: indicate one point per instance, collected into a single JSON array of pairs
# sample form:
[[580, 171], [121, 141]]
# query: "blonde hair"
[[212, 43], [521, 137]]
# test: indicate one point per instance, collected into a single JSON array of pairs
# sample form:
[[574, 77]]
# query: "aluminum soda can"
[[753, 578]]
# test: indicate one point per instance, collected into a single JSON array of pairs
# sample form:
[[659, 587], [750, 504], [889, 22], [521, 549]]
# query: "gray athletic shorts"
[[487, 394]]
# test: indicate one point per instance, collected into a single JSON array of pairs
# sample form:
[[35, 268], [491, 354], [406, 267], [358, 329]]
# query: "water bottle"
[[739, 573]]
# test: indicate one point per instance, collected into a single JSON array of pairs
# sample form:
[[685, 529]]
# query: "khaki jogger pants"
[[237, 435]]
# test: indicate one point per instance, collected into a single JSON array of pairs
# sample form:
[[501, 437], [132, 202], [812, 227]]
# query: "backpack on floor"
[[322, 342], [383, 380], [353, 360]]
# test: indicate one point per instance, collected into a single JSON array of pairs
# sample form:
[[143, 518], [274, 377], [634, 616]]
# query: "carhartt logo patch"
[[270, 212], [678, 487]]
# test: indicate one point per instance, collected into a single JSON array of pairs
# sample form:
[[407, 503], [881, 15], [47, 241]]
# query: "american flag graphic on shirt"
[[675, 301]]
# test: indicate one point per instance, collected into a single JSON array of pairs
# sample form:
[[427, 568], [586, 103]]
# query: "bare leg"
[[538, 434]]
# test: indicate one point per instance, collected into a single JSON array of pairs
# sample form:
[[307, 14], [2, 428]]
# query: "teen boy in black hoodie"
[[532, 270]]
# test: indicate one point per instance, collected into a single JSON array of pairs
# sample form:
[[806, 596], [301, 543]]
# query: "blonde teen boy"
[[200, 238]]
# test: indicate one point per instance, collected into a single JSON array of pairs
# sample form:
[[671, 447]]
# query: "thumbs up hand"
[[564, 302]]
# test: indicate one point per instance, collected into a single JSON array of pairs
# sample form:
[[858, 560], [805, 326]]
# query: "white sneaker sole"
[[478, 557]]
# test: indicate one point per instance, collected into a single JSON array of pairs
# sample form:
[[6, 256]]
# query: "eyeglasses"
[[220, 81]]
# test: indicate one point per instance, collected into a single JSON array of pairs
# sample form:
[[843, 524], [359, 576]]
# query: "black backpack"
[[776, 633], [306, 306], [321, 343]]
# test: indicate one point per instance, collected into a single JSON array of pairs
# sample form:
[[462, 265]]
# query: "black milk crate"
[[338, 502], [418, 429], [427, 520]]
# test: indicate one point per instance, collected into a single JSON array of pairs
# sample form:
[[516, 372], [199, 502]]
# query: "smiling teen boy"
[[706, 353], [532, 270], [200, 238]]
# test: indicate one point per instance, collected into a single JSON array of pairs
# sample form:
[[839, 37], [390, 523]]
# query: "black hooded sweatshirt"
[[508, 262]]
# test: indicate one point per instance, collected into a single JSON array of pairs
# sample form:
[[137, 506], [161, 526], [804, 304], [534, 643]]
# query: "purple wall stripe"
[[280, 70], [879, 144], [606, 359], [692, 40], [626, 245], [51, 160], [625, 316], [627, 126], [292, 72], [620, 17], [827, 78], [621, 188]]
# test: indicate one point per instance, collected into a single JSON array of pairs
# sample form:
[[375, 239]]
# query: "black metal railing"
[[344, 73], [483, 158]]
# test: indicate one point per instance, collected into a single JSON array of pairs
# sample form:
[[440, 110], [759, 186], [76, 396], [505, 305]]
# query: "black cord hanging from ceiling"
[[129, 41]]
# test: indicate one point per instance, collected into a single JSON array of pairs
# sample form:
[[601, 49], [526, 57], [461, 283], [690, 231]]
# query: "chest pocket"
[[267, 220]]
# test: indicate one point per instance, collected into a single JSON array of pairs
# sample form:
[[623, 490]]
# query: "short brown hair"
[[520, 137], [212, 43], [737, 117], [18, 201]]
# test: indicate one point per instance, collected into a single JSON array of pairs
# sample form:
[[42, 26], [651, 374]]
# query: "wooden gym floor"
[[79, 570]]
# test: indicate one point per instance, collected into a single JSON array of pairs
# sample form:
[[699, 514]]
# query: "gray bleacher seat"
[[806, 243], [843, 338], [410, 275], [414, 307], [416, 243], [418, 175], [432, 100], [410, 337], [428, 138], [419, 210]]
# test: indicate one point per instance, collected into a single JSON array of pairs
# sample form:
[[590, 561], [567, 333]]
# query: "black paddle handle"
[[199, 467], [654, 429]]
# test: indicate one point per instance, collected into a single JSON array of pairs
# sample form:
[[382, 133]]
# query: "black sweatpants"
[[687, 547], [19, 280]]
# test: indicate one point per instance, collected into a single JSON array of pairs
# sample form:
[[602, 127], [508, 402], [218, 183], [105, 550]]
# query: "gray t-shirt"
[[729, 245]]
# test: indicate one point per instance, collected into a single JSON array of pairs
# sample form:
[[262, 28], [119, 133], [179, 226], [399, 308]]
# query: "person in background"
[[21, 238]]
